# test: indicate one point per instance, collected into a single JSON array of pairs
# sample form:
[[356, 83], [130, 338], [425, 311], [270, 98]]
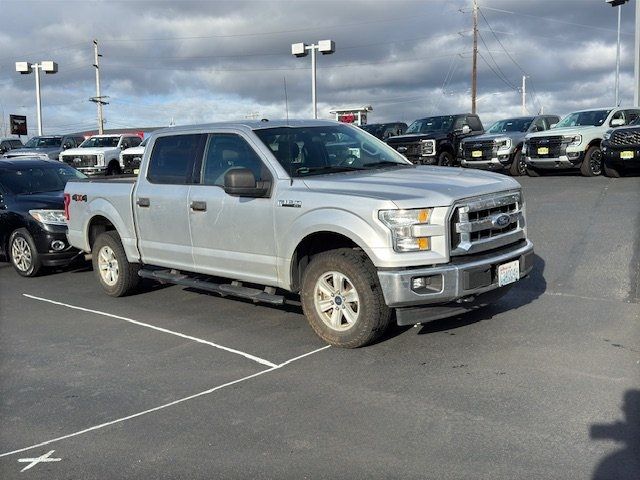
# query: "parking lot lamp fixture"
[[326, 47], [48, 67]]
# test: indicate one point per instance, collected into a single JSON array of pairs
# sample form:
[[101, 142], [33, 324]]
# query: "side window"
[[125, 143], [17, 144], [631, 115], [173, 157], [135, 141], [226, 152], [541, 124], [474, 123]]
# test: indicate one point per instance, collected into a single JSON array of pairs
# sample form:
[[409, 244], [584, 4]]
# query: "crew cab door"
[[160, 201], [232, 236]]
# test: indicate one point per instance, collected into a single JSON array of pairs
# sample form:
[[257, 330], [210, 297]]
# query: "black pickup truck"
[[621, 150], [435, 140]]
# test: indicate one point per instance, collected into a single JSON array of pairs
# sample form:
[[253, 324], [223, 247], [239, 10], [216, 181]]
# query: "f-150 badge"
[[290, 203]]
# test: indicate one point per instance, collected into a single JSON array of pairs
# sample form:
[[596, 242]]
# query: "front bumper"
[[555, 163], [48, 255], [492, 164], [612, 158], [464, 281]]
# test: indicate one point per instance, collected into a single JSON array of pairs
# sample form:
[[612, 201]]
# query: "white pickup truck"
[[314, 207], [99, 154]]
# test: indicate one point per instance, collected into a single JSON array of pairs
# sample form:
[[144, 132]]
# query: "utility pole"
[[98, 99], [636, 93], [474, 68], [524, 94]]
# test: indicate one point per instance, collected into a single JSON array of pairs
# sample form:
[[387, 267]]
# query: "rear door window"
[[173, 158]]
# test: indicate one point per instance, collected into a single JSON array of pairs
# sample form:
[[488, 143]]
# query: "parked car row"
[[591, 141]]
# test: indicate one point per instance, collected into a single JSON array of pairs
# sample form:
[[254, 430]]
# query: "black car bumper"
[[621, 158], [54, 248]]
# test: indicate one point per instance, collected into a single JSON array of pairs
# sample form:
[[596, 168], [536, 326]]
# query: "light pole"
[[48, 67], [617, 3], [326, 47]]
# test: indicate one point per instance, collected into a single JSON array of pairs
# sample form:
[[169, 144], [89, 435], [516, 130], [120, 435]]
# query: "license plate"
[[543, 150], [626, 154], [476, 153], [508, 273], [136, 171]]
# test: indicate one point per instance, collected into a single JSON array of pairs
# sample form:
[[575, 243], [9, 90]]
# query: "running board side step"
[[234, 289]]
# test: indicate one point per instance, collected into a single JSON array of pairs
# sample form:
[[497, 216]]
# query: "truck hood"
[[515, 136], [414, 137], [586, 130], [415, 186], [44, 200], [20, 152], [133, 151], [89, 151]]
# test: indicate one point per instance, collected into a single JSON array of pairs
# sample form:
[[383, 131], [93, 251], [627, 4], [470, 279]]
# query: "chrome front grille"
[[622, 138], [81, 160], [487, 222]]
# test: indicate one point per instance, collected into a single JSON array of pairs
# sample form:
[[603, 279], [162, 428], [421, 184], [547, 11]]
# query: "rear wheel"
[[518, 166], [117, 276], [342, 298], [611, 172], [113, 168], [23, 253], [592, 163]]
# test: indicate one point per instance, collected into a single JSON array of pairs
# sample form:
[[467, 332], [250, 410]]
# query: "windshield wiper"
[[326, 169], [386, 163]]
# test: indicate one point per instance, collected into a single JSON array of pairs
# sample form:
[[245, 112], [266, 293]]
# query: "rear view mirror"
[[617, 122], [240, 182], [465, 129]]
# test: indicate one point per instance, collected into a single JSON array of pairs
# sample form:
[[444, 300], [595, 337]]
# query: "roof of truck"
[[251, 124]]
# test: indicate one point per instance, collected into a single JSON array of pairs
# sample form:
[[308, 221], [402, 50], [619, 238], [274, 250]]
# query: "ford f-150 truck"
[[319, 208], [500, 148], [575, 141], [436, 140], [100, 154]]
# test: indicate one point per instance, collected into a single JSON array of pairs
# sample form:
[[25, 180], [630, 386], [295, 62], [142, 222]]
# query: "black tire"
[[117, 279], [113, 168], [532, 172], [518, 166], [445, 159], [372, 317], [611, 172], [592, 163], [23, 253]]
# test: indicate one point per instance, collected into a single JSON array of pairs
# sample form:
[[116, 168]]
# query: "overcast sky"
[[205, 61]]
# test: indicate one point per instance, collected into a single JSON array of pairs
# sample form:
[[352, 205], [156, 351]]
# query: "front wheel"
[[23, 253], [592, 163], [445, 159], [117, 276], [113, 169], [518, 166], [342, 298]]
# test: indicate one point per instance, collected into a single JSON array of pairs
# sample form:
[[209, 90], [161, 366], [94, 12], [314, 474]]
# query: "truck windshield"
[[593, 118], [40, 179], [43, 142], [100, 142], [432, 124], [304, 151], [511, 125]]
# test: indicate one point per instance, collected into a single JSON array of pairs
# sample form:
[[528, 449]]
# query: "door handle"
[[199, 206], [143, 202]]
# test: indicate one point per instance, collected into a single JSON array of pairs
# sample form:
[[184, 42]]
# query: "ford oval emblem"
[[501, 221]]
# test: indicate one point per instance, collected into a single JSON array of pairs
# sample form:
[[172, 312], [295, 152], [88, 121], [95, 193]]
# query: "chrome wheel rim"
[[108, 266], [595, 162], [336, 301], [21, 254]]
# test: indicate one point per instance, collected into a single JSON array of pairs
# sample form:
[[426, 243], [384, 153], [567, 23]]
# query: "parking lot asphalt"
[[175, 383]]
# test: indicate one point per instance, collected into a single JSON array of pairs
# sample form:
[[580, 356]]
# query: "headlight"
[[100, 158], [401, 223], [427, 147], [525, 147], [573, 140], [48, 217], [606, 136], [503, 143]]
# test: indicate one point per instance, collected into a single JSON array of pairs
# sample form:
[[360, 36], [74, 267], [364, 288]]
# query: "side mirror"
[[534, 128], [240, 182], [553, 125], [465, 129], [616, 122], [66, 146]]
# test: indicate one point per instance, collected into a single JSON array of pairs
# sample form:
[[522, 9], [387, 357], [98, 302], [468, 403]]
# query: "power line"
[[502, 75], [504, 80]]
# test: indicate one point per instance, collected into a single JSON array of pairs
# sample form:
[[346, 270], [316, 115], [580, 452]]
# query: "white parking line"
[[261, 361], [166, 405]]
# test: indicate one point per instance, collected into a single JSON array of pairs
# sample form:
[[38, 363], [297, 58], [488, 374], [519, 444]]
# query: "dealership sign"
[[18, 124]]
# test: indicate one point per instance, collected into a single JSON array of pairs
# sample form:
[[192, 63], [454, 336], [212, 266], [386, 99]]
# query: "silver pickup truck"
[[313, 207]]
